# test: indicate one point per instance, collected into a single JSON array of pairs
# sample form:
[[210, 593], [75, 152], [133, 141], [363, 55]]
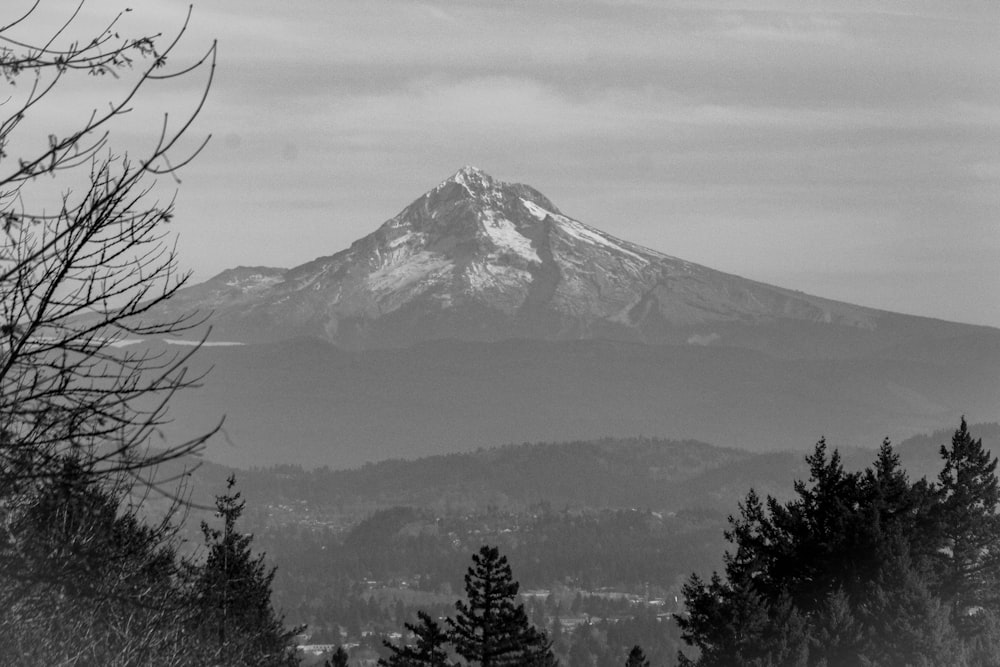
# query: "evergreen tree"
[[86, 581], [970, 528], [837, 637], [490, 629], [908, 624], [859, 569], [428, 651], [636, 658], [233, 595], [735, 626], [338, 659]]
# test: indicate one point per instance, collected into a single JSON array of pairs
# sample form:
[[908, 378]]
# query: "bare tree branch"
[[76, 280]]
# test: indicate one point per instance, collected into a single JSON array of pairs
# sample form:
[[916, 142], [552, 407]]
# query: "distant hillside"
[[604, 473], [662, 475]]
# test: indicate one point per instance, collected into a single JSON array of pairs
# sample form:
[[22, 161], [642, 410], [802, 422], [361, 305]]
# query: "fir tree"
[[907, 623], [338, 659], [428, 651], [970, 527], [490, 629], [636, 658], [859, 569], [837, 637], [233, 595]]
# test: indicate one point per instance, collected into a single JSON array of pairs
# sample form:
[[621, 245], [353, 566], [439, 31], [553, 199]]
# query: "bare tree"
[[82, 270], [86, 259]]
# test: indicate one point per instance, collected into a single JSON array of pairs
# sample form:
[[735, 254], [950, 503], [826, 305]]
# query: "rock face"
[[479, 259]]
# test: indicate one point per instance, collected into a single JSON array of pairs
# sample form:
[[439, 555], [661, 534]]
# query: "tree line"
[[87, 581], [859, 568]]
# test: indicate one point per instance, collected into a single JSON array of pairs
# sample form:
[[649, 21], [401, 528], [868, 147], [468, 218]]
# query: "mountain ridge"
[[620, 473]]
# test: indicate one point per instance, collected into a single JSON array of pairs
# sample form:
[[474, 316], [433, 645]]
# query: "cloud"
[[486, 108], [703, 339]]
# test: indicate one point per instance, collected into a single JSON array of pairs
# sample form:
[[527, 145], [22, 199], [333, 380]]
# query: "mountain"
[[482, 315], [479, 259]]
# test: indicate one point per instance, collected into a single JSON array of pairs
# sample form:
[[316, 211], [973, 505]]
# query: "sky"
[[846, 149]]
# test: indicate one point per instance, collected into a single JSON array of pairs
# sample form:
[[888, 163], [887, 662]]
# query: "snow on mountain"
[[477, 258], [239, 285]]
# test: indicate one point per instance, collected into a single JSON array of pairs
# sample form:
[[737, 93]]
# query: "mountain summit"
[[477, 258]]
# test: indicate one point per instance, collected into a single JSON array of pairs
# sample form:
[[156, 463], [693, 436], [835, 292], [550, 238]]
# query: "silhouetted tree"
[[430, 649], [970, 525], [859, 569], [908, 624], [490, 629], [234, 615], [636, 658], [338, 659]]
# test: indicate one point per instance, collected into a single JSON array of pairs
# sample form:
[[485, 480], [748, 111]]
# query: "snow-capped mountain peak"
[[472, 178], [477, 257], [472, 184]]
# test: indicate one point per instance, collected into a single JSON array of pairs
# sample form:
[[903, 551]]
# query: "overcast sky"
[[846, 149]]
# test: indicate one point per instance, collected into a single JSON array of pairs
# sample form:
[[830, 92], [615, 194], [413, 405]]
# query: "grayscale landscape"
[[481, 315], [468, 333]]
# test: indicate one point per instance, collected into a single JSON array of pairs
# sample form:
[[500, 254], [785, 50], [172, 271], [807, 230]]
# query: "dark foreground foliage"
[[85, 578], [863, 568], [85, 581]]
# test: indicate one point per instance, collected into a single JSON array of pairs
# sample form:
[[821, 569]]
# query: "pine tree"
[[734, 626], [428, 651], [906, 623], [636, 658], [338, 659], [490, 629], [233, 595], [837, 636], [970, 526], [844, 573]]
